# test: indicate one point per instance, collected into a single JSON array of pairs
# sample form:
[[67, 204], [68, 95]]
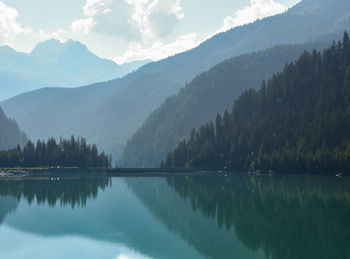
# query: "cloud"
[[93, 7], [144, 24], [143, 20], [42, 35], [9, 27], [108, 17], [155, 19], [83, 25], [257, 9], [158, 50]]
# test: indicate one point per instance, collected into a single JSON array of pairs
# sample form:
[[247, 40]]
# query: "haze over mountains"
[[10, 134], [55, 64], [209, 93], [109, 113]]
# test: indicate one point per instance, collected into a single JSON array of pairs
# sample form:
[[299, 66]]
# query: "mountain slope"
[[209, 93], [10, 134], [110, 121], [53, 63], [299, 120]]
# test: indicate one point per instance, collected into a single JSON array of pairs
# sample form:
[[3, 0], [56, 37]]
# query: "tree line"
[[299, 119], [67, 153]]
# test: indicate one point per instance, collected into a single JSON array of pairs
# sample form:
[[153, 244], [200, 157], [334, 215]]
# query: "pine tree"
[[346, 41]]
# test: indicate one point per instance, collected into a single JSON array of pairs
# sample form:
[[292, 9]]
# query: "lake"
[[198, 216]]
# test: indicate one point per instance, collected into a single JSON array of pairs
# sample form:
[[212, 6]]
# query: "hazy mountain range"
[[109, 113], [206, 95], [53, 63]]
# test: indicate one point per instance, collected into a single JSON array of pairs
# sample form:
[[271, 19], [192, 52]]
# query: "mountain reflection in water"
[[206, 216]]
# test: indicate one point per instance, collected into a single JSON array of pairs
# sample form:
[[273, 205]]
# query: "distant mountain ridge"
[[53, 63], [109, 113]]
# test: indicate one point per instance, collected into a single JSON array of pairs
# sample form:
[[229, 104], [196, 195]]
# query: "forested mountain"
[[10, 134], [53, 63], [108, 114], [300, 119], [206, 95]]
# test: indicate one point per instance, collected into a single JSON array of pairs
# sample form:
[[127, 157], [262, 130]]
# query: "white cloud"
[[138, 18], [257, 9], [147, 20], [145, 24], [156, 18], [158, 50], [93, 7], [107, 11], [167, 6], [83, 25], [9, 27], [42, 35]]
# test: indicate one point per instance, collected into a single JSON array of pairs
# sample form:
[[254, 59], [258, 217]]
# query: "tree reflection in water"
[[288, 217], [239, 216], [68, 192]]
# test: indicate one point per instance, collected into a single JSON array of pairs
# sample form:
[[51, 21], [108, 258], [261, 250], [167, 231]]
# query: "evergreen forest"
[[66, 153], [299, 119]]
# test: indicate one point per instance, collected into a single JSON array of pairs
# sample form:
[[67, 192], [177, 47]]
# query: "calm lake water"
[[178, 217]]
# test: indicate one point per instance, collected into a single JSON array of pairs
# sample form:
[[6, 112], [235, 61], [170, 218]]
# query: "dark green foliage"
[[68, 153], [10, 134], [299, 120], [209, 93]]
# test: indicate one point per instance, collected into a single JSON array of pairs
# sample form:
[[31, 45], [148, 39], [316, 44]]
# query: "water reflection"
[[73, 192], [179, 217], [115, 218], [193, 225], [7, 205], [286, 217]]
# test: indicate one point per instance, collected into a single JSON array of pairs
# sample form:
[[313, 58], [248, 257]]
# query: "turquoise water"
[[236, 216]]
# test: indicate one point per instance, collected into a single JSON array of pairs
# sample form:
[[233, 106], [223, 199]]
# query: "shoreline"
[[64, 172]]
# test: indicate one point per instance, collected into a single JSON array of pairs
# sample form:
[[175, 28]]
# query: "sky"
[[128, 30]]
